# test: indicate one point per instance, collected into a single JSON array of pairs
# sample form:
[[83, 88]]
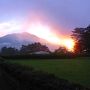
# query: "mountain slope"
[[18, 39]]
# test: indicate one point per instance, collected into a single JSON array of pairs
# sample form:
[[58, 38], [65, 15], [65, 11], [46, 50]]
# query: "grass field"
[[75, 70]]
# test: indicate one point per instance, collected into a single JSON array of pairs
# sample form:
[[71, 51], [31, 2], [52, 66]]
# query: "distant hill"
[[18, 39]]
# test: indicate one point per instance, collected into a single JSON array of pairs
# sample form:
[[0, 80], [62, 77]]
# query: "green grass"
[[75, 70]]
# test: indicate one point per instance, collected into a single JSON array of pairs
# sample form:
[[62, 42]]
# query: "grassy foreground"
[[75, 70]]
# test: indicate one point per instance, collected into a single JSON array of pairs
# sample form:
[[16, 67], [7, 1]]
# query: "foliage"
[[8, 51], [31, 50], [28, 49], [61, 50], [24, 50], [82, 39]]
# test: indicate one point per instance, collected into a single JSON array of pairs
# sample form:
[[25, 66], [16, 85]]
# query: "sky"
[[62, 15]]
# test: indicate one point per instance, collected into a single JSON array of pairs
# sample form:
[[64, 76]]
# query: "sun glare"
[[45, 32], [69, 44], [40, 30]]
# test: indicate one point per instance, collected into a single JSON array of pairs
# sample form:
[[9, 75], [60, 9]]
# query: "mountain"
[[18, 39]]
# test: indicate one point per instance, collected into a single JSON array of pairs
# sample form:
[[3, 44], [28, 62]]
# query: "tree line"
[[82, 41], [35, 50], [25, 49]]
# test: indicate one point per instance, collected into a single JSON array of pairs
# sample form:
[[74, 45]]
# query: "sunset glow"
[[46, 33], [40, 30], [43, 32], [69, 44]]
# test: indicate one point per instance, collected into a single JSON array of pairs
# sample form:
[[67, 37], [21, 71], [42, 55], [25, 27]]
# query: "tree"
[[35, 47], [82, 39], [60, 51], [9, 51], [63, 52]]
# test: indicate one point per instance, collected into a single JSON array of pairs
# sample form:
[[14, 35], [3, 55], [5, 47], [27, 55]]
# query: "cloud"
[[9, 27]]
